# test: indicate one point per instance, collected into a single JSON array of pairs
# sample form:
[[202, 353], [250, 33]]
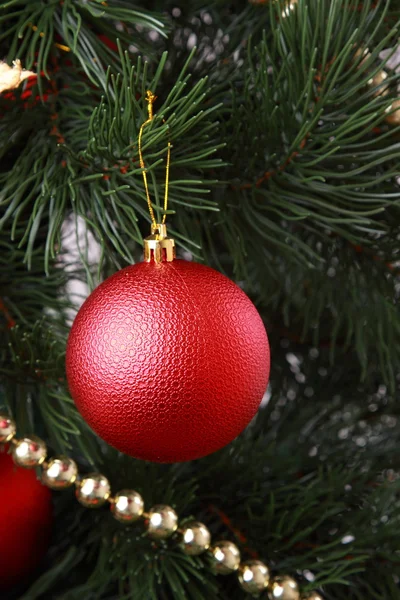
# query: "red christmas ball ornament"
[[167, 360], [25, 522]]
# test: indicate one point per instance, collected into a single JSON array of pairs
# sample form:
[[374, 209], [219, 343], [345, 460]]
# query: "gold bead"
[[29, 452], [376, 82], [312, 596], [284, 587], [226, 557], [195, 538], [364, 53], [93, 491], [290, 6], [161, 522], [59, 473], [253, 576], [7, 429], [127, 506], [393, 116]]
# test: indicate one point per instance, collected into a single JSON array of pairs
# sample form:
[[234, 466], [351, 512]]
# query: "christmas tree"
[[281, 121]]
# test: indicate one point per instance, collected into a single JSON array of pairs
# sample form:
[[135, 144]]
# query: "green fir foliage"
[[285, 176]]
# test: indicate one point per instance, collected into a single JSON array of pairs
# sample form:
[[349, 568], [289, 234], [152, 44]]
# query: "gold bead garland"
[[312, 596], [226, 557], [393, 113], [377, 84], [286, 587], [253, 576], [59, 473], [7, 429], [161, 521], [29, 452], [288, 8], [93, 490], [195, 538], [127, 506]]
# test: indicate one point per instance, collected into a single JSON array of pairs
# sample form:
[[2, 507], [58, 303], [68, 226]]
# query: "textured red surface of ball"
[[25, 522], [168, 362]]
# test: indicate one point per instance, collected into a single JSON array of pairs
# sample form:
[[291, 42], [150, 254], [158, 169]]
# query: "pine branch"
[[308, 222], [326, 168], [311, 499], [34, 389], [340, 316], [35, 28], [102, 182]]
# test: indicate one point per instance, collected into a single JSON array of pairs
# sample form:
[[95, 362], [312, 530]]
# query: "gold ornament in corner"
[[12, 77]]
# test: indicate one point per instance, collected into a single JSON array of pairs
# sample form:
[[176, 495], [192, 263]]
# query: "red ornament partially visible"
[[168, 361], [25, 522]]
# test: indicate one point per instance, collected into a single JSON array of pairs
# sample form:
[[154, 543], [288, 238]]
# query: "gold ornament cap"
[[312, 596], [158, 247]]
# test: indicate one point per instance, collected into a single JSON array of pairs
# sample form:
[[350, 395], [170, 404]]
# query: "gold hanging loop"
[[158, 247]]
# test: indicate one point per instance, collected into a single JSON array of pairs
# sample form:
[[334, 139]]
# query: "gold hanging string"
[[150, 99]]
